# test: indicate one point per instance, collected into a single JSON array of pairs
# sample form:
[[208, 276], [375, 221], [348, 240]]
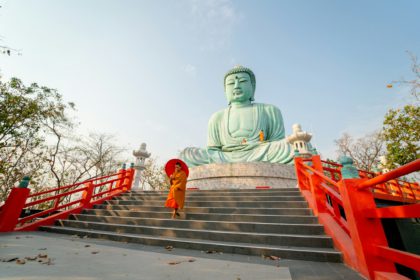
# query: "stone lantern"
[[300, 141], [141, 155]]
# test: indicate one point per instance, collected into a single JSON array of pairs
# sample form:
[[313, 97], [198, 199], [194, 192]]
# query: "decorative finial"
[[348, 171], [25, 182]]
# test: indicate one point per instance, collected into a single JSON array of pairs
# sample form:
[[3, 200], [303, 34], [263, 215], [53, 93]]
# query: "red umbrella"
[[170, 166]]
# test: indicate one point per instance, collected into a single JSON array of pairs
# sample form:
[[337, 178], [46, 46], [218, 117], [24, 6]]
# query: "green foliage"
[[26, 115], [401, 132]]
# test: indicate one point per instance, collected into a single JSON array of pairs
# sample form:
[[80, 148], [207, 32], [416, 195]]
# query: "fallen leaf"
[[94, 252], [169, 247], [87, 245], [20, 261], [42, 249], [211, 252], [17, 237], [191, 260], [42, 256], [31, 258], [271, 257], [11, 259], [47, 262], [174, 262]]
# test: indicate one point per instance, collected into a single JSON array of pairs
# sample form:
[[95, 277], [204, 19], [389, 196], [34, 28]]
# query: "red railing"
[[348, 211], [59, 203], [393, 189]]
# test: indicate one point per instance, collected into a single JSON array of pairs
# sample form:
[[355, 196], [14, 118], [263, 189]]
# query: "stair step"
[[230, 210], [215, 198], [288, 252], [223, 191], [309, 229], [292, 219], [215, 235], [204, 194], [254, 204]]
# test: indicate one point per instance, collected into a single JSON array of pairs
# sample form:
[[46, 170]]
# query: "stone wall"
[[246, 175]]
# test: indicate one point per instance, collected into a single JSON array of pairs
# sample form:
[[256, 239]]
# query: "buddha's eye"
[[230, 83], [243, 80]]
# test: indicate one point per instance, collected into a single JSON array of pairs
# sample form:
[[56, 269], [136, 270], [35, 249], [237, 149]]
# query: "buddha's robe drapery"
[[176, 196], [223, 147]]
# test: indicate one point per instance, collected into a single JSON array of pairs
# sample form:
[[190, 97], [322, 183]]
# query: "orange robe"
[[176, 196], [261, 136]]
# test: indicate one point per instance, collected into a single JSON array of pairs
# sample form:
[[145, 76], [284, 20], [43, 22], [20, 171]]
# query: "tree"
[[154, 176], [73, 159], [25, 112], [365, 151], [413, 84], [401, 132]]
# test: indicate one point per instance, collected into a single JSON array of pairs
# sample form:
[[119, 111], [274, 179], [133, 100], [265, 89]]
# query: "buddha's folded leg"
[[194, 156], [275, 152], [280, 152]]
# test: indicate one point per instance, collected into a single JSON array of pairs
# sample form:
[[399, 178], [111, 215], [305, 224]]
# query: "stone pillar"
[[300, 141], [141, 156]]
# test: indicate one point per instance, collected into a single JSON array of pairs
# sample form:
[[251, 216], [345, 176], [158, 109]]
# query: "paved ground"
[[70, 257]]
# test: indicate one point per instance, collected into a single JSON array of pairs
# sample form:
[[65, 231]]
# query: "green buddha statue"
[[245, 131]]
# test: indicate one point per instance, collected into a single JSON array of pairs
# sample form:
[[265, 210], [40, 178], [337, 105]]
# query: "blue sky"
[[152, 71]]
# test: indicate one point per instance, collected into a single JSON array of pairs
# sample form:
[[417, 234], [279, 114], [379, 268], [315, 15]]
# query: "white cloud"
[[215, 21], [190, 70]]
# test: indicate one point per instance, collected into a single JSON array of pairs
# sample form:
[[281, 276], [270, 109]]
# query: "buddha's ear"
[[251, 98]]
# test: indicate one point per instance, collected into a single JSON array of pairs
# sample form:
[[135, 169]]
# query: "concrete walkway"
[[70, 257]]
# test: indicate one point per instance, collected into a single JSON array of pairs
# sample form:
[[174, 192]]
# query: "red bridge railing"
[[392, 189], [348, 211], [59, 203]]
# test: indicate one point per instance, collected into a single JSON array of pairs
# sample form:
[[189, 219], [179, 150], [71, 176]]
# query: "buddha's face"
[[238, 88]]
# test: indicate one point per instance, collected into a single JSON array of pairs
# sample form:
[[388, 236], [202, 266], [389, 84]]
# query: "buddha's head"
[[240, 85]]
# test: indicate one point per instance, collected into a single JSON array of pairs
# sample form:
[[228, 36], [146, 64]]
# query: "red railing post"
[[13, 206], [365, 233], [121, 178], [87, 195], [298, 166], [128, 181], [318, 195]]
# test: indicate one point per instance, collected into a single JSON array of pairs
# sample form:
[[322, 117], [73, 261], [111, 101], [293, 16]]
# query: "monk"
[[176, 196]]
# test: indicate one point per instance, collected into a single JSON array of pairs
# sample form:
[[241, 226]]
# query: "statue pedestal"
[[244, 175]]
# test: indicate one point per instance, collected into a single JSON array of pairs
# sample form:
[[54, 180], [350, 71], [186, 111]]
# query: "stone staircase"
[[253, 222]]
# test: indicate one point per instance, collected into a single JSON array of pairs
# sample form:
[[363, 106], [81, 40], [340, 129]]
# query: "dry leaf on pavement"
[[20, 261]]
